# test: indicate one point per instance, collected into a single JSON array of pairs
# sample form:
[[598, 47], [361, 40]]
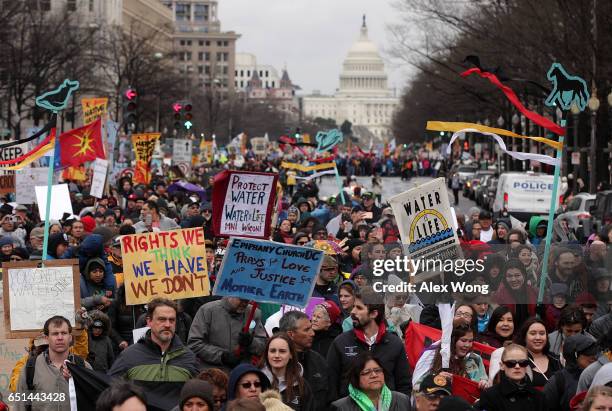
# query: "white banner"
[[100, 167]]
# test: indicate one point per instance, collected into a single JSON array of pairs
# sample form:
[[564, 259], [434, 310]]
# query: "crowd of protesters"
[[350, 353]]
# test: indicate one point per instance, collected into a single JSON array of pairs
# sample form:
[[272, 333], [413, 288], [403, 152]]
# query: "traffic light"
[[466, 145], [188, 116], [130, 107], [177, 107], [298, 132]]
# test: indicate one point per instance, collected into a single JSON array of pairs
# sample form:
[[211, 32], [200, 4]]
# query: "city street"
[[391, 187]]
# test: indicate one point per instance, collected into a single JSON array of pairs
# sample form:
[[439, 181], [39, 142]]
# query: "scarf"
[[365, 404]]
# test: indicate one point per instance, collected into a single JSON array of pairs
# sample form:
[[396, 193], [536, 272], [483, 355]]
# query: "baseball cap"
[[367, 194], [98, 324], [21, 207], [435, 383]]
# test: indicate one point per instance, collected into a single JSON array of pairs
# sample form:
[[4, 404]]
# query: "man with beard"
[[159, 360], [298, 327], [217, 337], [369, 333]]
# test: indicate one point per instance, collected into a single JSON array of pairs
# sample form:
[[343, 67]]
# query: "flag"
[[419, 336], [144, 145], [465, 388], [81, 145]]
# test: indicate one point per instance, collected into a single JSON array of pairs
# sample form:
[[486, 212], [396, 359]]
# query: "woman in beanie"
[[280, 364], [196, 395], [325, 325]]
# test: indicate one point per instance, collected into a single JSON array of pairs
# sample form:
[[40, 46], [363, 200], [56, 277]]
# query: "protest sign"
[[93, 109], [32, 295], [143, 144], [60, 201], [170, 264], [7, 183], [243, 203], [181, 151], [26, 180], [425, 223], [206, 152], [100, 167], [265, 271]]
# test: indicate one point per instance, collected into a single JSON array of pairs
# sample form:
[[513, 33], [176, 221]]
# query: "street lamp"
[[593, 106]]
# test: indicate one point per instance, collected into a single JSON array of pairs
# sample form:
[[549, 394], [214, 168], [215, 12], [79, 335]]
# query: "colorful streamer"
[[300, 167], [315, 175], [456, 126], [513, 98], [519, 155]]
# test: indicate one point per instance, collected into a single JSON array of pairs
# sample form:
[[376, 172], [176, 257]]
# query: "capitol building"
[[363, 97]]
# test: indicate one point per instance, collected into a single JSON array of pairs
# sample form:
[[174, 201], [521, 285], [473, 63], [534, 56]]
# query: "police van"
[[524, 195]]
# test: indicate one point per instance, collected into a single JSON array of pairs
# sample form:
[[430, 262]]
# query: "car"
[[523, 195], [481, 190], [578, 209], [469, 189], [466, 171], [601, 213]]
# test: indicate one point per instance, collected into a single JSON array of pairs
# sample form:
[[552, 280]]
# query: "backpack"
[[30, 369]]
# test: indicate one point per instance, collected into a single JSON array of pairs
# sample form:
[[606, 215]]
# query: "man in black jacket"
[[369, 333], [297, 326]]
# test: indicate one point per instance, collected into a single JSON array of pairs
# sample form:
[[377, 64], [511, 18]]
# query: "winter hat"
[[197, 388], [332, 310], [558, 289], [106, 233], [354, 242], [89, 224], [6, 240], [452, 403], [502, 224], [329, 260], [271, 399]]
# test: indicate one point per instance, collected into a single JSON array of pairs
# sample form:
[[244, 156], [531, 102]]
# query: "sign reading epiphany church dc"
[[243, 203], [265, 271]]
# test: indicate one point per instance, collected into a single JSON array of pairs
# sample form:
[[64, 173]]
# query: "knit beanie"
[[271, 399], [89, 224], [197, 388]]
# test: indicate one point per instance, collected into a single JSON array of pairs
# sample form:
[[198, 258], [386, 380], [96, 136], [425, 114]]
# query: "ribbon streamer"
[[300, 167], [519, 155], [315, 175], [457, 126], [41, 146], [513, 98]]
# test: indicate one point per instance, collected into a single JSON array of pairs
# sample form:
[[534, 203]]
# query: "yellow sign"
[[169, 264], [144, 145], [93, 109]]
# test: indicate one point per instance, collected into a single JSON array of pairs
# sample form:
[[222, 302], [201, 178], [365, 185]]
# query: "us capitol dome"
[[363, 97]]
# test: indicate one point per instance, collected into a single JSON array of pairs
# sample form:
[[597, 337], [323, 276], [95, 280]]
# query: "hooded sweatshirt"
[[91, 293], [93, 246], [238, 372], [101, 353]]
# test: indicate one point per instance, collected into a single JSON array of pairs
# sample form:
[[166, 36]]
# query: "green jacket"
[[145, 364]]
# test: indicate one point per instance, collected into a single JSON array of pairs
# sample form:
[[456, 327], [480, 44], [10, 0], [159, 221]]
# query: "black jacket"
[[388, 347], [316, 374], [508, 396], [324, 339]]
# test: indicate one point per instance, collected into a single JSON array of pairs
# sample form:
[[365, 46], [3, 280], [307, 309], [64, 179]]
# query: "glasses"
[[302, 242], [207, 211], [514, 363], [463, 314], [371, 371], [247, 385], [434, 396]]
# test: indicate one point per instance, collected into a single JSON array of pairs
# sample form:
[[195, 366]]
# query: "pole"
[[593, 154], [339, 183], [551, 215], [49, 190]]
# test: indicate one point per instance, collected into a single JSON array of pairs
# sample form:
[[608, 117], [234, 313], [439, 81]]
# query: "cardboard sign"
[[100, 167], [181, 151], [7, 183], [243, 203], [33, 294], [60, 201], [144, 144], [26, 180], [93, 109], [170, 264], [265, 271], [425, 222]]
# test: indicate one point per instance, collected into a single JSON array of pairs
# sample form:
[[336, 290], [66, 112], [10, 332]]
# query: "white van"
[[524, 195]]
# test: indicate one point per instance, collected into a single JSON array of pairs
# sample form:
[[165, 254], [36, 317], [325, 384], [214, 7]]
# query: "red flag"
[[419, 336], [82, 144], [465, 388]]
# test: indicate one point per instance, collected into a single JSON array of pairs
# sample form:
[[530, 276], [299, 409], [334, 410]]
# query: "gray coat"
[[47, 379], [165, 224], [399, 402], [586, 377], [215, 330]]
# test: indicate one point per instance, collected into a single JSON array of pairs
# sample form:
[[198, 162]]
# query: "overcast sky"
[[312, 37]]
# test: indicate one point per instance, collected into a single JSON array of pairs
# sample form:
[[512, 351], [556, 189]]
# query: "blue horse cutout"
[[57, 100], [328, 139], [566, 89]]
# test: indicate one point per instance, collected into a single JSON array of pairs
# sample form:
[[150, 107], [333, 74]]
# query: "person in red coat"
[[515, 293]]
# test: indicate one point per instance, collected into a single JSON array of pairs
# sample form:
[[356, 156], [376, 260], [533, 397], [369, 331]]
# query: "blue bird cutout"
[[567, 89], [57, 100], [328, 139]]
